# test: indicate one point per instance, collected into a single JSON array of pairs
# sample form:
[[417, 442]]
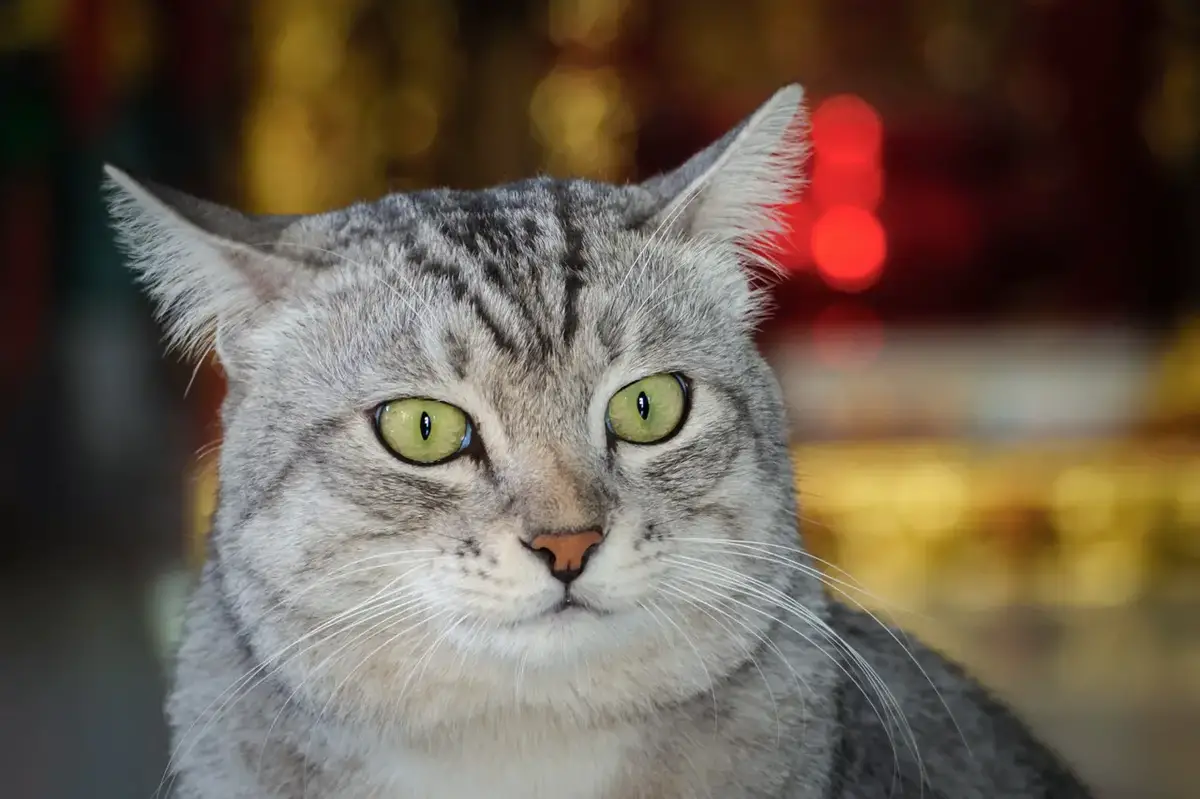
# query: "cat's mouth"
[[573, 605]]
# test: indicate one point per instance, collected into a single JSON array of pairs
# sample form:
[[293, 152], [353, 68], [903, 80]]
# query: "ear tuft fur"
[[208, 268], [734, 190]]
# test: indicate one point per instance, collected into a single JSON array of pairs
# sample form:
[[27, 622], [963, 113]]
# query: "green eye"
[[650, 410], [422, 431]]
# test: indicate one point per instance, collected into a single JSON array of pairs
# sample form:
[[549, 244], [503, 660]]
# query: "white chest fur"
[[517, 765]]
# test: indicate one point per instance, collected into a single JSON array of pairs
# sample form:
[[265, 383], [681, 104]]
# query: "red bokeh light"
[[849, 247], [846, 128], [846, 183]]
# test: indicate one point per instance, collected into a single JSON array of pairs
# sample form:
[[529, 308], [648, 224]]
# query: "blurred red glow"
[[847, 183], [846, 128], [849, 247]]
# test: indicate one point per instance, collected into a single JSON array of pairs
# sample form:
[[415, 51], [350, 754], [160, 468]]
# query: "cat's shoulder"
[[907, 712]]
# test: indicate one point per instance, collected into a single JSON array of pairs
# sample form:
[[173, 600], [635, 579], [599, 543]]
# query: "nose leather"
[[568, 549]]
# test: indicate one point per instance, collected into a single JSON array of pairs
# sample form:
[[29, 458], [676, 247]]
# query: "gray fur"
[[720, 667]]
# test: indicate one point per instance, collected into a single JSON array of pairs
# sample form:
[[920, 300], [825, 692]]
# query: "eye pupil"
[[643, 405], [426, 426]]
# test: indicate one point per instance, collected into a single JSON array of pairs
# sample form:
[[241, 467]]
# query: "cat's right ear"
[[211, 271], [733, 190]]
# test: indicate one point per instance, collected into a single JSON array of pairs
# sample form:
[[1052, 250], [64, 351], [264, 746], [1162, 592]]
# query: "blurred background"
[[989, 337]]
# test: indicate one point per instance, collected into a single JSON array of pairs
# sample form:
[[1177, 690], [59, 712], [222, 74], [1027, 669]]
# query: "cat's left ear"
[[212, 272], [733, 190]]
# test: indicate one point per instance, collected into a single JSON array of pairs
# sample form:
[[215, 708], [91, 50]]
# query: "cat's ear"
[[210, 270], [733, 190]]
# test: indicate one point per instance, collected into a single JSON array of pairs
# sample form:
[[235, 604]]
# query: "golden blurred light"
[[793, 35], [583, 120], [308, 51], [282, 157], [931, 499], [203, 504], [1105, 574], [129, 37], [594, 24], [26, 24], [1187, 504], [409, 121], [1084, 503], [1171, 121], [1177, 388]]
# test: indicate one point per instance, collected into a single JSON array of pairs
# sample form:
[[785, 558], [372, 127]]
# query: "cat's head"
[[510, 446]]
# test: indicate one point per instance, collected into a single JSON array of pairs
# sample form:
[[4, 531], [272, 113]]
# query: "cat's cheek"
[[623, 574], [500, 585]]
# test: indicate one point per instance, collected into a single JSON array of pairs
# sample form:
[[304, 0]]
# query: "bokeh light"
[[849, 247], [845, 128]]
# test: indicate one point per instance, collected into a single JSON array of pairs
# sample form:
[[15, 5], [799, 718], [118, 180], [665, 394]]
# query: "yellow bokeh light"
[[1084, 503], [581, 118], [409, 121], [203, 499], [591, 23], [1188, 509], [931, 499], [282, 171], [1105, 574], [308, 51]]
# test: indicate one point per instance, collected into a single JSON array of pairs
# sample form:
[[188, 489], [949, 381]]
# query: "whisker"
[[239, 687], [707, 675], [363, 661], [680, 205], [407, 608], [207, 449], [247, 683], [769, 593], [904, 646], [850, 582], [700, 605]]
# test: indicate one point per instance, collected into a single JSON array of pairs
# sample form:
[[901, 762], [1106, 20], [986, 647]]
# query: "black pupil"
[[426, 425], [643, 405]]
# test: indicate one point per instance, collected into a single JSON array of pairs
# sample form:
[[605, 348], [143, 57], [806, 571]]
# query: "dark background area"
[[989, 335]]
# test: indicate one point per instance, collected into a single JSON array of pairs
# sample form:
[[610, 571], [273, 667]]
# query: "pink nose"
[[567, 552]]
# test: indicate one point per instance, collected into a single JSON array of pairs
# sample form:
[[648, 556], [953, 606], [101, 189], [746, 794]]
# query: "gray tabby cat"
[[507, 510]]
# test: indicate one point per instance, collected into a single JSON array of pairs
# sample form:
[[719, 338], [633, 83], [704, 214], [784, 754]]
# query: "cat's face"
[[476, 437]]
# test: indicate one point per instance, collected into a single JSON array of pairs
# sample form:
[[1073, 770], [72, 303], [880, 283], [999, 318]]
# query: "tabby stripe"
[[461, 292], [305, 446], [507, 288], [573, 263]]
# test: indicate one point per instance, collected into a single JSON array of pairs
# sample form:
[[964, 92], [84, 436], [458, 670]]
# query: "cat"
[[507, 509]]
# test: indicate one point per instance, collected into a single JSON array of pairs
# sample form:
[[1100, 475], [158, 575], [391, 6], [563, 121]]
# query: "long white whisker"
[[849, 582], [407, 607], [701, 605], [700, 658], [681, 204], [370, 603], [247, 683], [363, 661], [770, 558], [749, 585]]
